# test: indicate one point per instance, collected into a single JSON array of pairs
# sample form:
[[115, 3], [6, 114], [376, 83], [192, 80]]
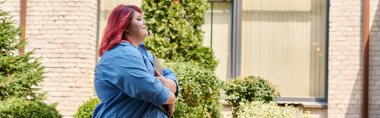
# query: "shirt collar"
[[124, 43]]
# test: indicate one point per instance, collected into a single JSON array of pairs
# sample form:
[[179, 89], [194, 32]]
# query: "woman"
[[124, 76]]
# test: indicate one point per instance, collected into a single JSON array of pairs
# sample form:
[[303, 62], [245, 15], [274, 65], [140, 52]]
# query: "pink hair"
[[119, 19]]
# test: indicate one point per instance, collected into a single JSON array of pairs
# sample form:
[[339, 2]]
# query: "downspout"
[[366, 10], [21, 50]]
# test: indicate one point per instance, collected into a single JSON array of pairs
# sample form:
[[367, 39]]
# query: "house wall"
[[63, 34], [374, 61], [345, 60]]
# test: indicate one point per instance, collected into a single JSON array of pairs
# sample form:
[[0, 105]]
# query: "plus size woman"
[[125, 80]]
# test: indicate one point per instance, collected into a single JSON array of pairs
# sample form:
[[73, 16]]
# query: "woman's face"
[[138, 28]]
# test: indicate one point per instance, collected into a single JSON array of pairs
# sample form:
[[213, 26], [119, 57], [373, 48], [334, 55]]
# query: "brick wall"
[[344, 83], [345, 46], [374, 74], [63, 32], [12, 6]]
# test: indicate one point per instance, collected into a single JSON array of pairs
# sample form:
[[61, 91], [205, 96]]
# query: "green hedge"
[[86, 110], [22, 108], [249, 89], [259, 109]]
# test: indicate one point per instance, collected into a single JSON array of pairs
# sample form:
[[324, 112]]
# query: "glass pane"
[[286, 44], [217, 35]]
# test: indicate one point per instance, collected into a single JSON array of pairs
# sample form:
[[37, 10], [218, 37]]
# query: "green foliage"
[[259, 109], [21, 108], [86, 109], [8, 33], [19, 75], [249, 89], [199, 93], [176, 31]]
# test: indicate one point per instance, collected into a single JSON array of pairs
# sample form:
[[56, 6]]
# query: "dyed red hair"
[[119, 19]]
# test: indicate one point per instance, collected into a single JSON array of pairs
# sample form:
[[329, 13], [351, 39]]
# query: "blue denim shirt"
[[125, 84]]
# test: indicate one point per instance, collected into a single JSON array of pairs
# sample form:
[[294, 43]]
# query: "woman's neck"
[[135, 41]]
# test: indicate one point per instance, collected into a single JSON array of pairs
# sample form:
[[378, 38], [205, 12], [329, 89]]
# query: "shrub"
[[19, 77], [22, 108], [200, 91], [259, 109], [176, 31], [249, 89], [86, 109], [19, 74]]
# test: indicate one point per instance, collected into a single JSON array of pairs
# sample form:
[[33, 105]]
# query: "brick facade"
[[63, 34], [374, 68], [345, 60]]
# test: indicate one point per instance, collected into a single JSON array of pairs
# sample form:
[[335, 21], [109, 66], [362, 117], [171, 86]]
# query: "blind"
[[217, 36], [285, 43]]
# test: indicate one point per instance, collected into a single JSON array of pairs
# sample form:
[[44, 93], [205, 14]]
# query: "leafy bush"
[[176, 31], [249, 89], [22, 108], [259, 109], [200, 91], [86, 109]]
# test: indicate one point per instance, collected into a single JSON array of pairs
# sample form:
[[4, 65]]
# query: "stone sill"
[[304, 104]]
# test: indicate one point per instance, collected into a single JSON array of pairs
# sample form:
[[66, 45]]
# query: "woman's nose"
[[144, 22]]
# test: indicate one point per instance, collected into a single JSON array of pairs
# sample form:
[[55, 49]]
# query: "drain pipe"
[[21, 50], [366, 10]]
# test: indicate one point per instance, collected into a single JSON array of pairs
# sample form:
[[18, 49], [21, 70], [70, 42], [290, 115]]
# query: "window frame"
[[236, 29]]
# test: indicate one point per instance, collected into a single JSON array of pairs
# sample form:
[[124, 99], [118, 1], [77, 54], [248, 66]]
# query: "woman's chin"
[[145, 34]]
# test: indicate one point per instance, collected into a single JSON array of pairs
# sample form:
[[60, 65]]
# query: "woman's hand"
[[171, 109], [168, 83]]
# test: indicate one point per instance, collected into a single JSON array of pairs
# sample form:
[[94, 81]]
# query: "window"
[[217, 35], [285, 43]]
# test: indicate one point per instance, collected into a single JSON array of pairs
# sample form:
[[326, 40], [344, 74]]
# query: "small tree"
[[19, 74], [176, 31]]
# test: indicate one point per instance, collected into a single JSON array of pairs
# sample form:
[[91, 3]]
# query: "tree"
[[19, 74], [176, 31]]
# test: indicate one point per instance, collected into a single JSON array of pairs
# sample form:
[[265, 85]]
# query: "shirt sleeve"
[[130, 75], [169, 74]]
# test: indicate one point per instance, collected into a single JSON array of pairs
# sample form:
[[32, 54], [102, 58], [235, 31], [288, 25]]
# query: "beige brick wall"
[[374, 74], [63, 32], [344, 83], [345, 73], [12, 6]]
